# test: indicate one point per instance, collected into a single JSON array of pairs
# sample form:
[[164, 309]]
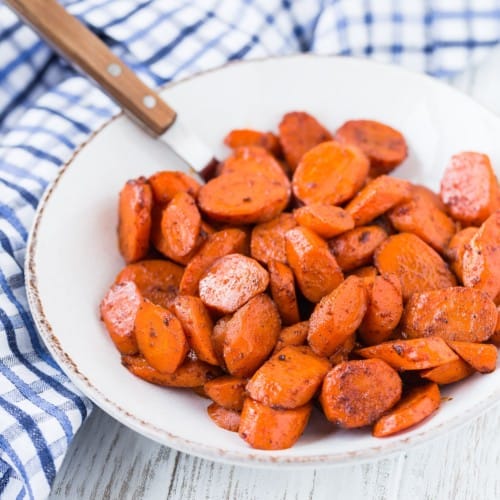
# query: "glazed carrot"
[[248, 137], [343, 351], [267, 428], [429, 196], [337, 316], [134, 219], [225, 418], [219, 337], [378, 196], [157, 280], [118, 310], [231, 282], [368, 272], [448, 373], [192, 373], [267, 242], [482, 357], [423, 219], [455, 313], [481, 258], [289, 379], [414, 354], [167, 184], [417, 405], [355, 248], [330, 173], [217, 245], [298, 133], [227, 391], [160, 337], [325, 220], [417, 265], [469, 187], [282, 284], [314, 267], [383, 145], [197, 325], [384, 311], [456, 249], [251, 335], [292, 335], [357, 393]]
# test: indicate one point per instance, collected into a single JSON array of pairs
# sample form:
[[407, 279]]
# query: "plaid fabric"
[[46, 110]]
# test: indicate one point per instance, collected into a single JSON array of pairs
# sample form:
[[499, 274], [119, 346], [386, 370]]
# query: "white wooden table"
[[109, 461]]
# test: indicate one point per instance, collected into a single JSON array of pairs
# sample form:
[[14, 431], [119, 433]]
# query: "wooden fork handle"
[[84, 49]]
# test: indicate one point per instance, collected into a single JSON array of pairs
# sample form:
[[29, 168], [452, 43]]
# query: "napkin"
[[47, 110]]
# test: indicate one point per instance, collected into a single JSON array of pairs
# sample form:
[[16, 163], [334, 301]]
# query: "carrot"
[[298, 133], [289, 379], [314, 267], [384, 311], [469, 188], [356, 247], [429, 196], [417, 405], [160, 337], [223, 417], [325, 220], [157, 280], [357, 393], [197, 325], [368, 272], [227, 391], [267, 242], [495, 338], [250, 336], [456, 249], [248, 137], [292, 335], [378, 196], [343, 351], [481, 258], [337, 316], [448, 373], [330, 173], [423, 219], [231, 282], [118, 310], [413, 354], [191, 374], [134, 219], [218, 245], [167, 184], [267, 428], [383, 145], [282, 286], [417, 265], [482, 357], [456, 313], [219, 337]]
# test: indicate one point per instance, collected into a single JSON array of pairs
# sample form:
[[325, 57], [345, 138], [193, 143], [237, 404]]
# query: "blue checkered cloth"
[[47, 110]]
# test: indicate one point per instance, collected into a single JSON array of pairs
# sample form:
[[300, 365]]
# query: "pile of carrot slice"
[[302, 273]]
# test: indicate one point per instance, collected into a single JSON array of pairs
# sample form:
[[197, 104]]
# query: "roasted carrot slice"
[[469, 187], [368, 272], [343, 351], [231, 282], [378, 196], [167, 184], [456, 249], [414, 354], [385, 146], [248, 137], [416, 406], [357, 393], [118, 310], [337, 316], [449, 372], [298, 133], [456, 313], [160, 337], [253, 160], [325, 220], [289, 379], [282, 286], [429, 196], [292, 335], [223, 417], [219, 337], [330, 173], [134, 219], [314, 267], [495, 338], [417, 265], [482, 357], [227, 391], [267, 428]]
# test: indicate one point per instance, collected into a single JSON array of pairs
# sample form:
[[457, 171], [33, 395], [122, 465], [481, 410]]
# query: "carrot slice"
[[368, 272], [253, 160], [325, 220], [248, 137], [167, 184], [282, 286], [416, 406], [448, 373], [292, 335], [482, 357], [225, 418], [227, 391], [495, 338], [429, 196], [343, 351], [456, 249]]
